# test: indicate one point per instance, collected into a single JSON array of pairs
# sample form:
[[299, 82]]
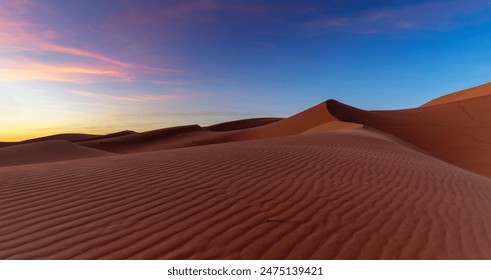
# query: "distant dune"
[[331, 182], [79, 137], [159, 139], [45, 151]]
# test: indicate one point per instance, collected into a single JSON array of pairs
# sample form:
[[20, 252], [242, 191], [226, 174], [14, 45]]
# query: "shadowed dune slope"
[[241, 124], [107, 136], [147, 141], [72, 137], [474, 92], [353, 194], [457, 132], [45, 151], [6, 144]]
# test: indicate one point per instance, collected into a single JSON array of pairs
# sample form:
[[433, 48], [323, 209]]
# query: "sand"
[[332, 182], [457, 132], [46, 151], [474, 92], [71, 137], [241, 124]]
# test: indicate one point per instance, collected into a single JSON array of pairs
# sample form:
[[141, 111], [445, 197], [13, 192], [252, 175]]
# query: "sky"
[[97, 67]]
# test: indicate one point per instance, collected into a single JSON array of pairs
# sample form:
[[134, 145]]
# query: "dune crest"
[[473, 92]]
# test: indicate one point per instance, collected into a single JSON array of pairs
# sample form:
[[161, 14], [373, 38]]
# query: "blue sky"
[[103, 66]]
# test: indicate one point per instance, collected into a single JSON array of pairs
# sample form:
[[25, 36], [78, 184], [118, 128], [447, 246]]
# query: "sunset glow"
[[103, 66]]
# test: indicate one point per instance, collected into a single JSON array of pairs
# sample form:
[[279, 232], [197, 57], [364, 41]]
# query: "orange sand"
[[332, 182]]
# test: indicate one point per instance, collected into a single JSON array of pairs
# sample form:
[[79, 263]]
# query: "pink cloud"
[[130, 98], [19, 34], [26, 69]]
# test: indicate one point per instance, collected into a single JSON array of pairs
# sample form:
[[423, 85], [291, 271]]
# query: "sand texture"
[[332, 182]]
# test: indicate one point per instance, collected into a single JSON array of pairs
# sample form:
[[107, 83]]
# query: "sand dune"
[[241, 124], [353, 194], [474, 92], [456, 132], [72, 137], [45, 151], [107, 136], [78, 137], [332, 182], [194, 135], [293, 125], [332, 126], [153, 140]]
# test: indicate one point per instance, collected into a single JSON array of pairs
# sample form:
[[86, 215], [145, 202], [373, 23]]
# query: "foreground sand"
[[332, 182]]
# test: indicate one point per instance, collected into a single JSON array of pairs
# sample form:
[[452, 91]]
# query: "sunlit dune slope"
[[474, 92], [332, 126]]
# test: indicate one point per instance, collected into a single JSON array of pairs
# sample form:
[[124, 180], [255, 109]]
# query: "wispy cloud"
[[129, 98], [20, 69], [22, 37], [20, 34]]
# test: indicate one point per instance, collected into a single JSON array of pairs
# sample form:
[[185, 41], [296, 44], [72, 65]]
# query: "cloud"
[[130, 98], [20, 69], [22, 37], [20, 34]]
